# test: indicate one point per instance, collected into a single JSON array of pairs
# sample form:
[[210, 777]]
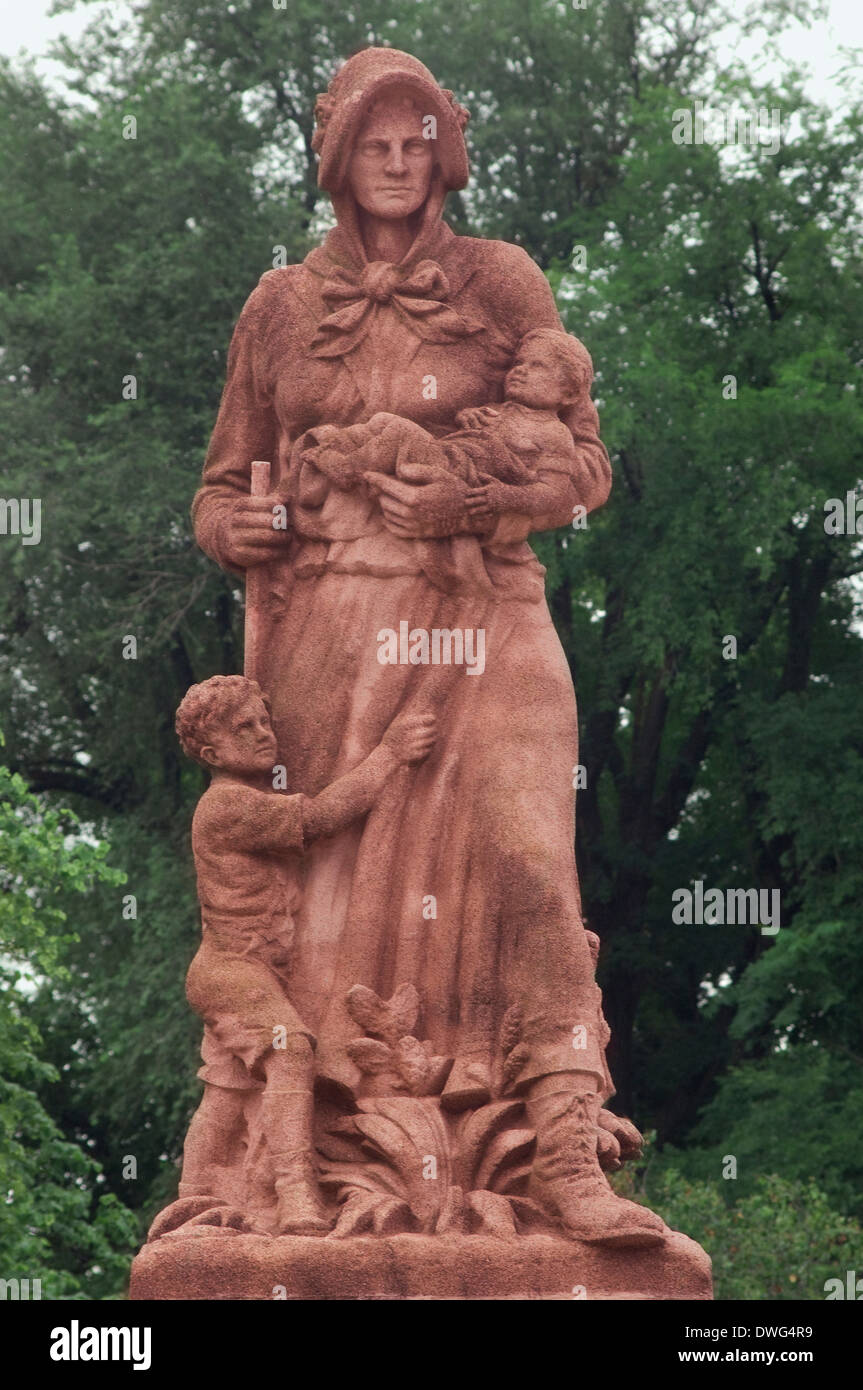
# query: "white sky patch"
[[817, 44]]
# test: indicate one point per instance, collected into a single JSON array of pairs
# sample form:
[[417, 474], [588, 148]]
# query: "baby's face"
[[243, 742], [535, 378]]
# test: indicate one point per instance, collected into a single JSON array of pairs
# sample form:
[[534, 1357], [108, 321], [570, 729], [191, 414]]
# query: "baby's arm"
[[548, 492], [408, 739], [551, 491]]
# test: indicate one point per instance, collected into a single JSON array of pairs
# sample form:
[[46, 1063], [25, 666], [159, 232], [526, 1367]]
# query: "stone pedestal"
[[412, 1267]]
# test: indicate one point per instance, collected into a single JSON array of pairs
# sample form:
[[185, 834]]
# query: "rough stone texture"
[[404, 1046], [417, 1267]]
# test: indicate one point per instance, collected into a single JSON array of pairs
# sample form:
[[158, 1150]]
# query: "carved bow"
[[417, 295]]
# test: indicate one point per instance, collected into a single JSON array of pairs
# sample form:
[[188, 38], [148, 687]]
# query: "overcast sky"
[[25, 24]]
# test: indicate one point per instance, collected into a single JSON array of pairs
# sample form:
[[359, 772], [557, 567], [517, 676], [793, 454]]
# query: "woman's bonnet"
[[340, 111]]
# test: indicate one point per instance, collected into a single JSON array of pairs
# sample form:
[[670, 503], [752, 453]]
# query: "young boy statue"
[[244, 837]]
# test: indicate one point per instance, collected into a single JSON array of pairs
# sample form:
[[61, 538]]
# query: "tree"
[[58, 1225], [722, 306]]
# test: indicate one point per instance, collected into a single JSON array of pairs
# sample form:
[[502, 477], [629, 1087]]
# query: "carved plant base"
[[415, 1267]]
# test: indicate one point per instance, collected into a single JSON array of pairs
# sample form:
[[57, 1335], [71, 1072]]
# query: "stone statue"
[[404, 1046], [244, 836]]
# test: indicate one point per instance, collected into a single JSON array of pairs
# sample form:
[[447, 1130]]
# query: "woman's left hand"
[[432, 503]]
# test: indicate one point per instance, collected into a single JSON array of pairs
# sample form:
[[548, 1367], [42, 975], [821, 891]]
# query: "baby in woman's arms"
[[516, 456]]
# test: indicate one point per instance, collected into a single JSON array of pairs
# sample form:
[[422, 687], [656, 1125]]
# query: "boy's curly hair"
[[572, 356], [207, 705]]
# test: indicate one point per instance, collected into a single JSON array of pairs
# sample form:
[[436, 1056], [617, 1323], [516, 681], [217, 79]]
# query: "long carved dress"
[[462, 879]]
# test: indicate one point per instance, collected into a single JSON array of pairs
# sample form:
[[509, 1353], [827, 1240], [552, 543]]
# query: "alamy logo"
[[733, 907], [21, 516], [18, 1289], [849, 1287], [442, 646], [77, 1343], [698, 125]]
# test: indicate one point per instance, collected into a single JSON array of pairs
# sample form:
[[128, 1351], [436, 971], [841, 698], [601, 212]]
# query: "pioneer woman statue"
[[438, 957]]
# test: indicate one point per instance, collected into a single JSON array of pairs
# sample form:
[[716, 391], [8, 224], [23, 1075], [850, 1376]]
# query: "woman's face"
[[390, 168]]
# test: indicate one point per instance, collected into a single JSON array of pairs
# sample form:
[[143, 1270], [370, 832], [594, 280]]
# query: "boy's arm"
[[408, 739], [244, 818], [348, 797]]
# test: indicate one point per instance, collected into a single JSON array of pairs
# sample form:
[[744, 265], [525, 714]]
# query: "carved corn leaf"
[[504, 1149], [515, 1060], [439, 1070], [368, 1010], [528, 1215], [510, 1029], [389, 1020], [355, 1216], [404, 1008], [392, 1217], [491, 1215], [369, 1177], [453, 1215], [409, 1134], [476, 1132], [182, 1212], [512, 1182], [372, 1057], [340, 1141], [369, 1211], [420, 1121]]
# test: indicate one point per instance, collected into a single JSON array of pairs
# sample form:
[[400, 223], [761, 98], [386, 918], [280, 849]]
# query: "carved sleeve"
[[246, 429]]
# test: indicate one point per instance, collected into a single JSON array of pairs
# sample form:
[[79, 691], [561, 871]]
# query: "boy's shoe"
[[300, 1211]]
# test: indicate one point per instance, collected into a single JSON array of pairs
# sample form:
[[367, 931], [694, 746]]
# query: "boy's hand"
[[410, 737]]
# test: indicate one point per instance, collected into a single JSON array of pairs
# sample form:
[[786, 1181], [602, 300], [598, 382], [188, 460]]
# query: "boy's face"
[[243, 741], [536, 378]]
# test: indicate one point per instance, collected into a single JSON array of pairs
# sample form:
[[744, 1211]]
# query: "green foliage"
[[55, 1224], [784, 1241], [769, 1239], [742, 772], [798, 1112], [126, 1055], [38, 864]]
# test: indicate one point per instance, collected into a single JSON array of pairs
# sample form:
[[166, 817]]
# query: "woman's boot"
[[566, 1179]]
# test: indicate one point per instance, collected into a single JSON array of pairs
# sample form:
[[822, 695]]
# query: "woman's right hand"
[[424, 502], [254, 534]]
